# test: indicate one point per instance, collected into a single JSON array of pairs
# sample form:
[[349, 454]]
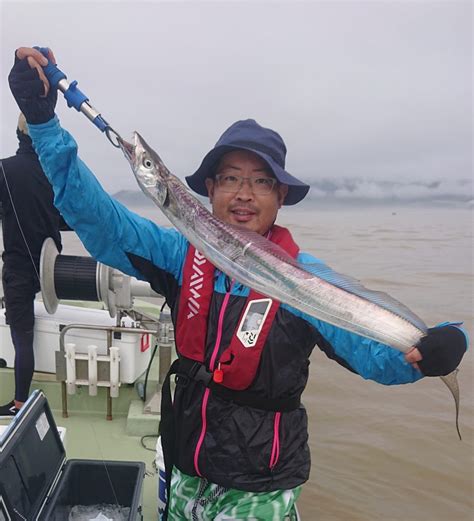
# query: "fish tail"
[[451, 382]]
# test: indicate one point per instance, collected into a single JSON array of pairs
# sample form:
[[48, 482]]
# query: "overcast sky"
[[379, 90]]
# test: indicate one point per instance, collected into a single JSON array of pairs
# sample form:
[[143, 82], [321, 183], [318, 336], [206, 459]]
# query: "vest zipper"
[[275, 456], [207, 392]]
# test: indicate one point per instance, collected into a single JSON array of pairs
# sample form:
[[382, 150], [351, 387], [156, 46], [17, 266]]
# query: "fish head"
[[148, 168]]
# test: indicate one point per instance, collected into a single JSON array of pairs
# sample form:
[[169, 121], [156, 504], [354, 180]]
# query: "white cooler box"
[[135, 348]]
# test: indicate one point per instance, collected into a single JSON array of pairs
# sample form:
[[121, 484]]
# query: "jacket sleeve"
[[370, 359], [110, 232]]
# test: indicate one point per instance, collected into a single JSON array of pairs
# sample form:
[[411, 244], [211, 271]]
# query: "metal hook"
[[113, 136]]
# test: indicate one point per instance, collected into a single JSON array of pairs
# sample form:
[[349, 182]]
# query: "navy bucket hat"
[[266, 143]]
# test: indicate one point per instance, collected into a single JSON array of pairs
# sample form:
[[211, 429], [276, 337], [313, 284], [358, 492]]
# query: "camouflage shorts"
[[195, 499]]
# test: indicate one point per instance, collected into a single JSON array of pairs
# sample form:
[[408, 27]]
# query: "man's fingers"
[[35, 65], [25, 52], [413, 356], [51, 56], [37, 61]]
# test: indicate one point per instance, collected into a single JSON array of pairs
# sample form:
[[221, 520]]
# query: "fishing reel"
[[71, 277]]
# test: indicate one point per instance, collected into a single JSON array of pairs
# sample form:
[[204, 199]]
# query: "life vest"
[[237, 365]]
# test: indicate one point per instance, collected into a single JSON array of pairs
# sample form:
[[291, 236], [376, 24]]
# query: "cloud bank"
[[451, 192], [364, 189]]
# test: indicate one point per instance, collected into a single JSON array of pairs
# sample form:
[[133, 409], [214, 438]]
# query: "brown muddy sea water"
[[387, 453]]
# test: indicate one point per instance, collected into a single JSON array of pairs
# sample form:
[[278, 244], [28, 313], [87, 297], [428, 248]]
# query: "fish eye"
[[147, 163]]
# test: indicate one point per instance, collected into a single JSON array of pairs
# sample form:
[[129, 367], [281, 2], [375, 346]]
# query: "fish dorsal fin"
[[351, 285], [344, 282]]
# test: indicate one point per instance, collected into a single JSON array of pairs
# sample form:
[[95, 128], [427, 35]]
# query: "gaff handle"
[[51, 71], [75, 97]]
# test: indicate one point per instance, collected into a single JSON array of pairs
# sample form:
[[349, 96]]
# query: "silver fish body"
[[258, 263]]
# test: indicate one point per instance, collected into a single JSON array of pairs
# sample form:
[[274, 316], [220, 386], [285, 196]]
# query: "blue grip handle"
[[51, 70], [74, 97]]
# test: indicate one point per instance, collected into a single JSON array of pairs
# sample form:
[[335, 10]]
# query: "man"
[[28, 218], [238, 443]]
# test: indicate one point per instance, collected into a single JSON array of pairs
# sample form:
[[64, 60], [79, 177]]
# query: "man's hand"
[[413, 357], [30, 87], [439, 352]]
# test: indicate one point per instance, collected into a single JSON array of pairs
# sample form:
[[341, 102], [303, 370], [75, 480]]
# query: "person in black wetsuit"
[[28, 218]]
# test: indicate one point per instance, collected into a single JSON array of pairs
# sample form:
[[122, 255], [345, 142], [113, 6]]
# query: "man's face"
[[245, 204]]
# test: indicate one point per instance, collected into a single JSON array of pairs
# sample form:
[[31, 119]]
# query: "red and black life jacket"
[[238, 363]]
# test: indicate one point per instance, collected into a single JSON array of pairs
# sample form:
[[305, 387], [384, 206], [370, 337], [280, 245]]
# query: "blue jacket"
[[239, 440]]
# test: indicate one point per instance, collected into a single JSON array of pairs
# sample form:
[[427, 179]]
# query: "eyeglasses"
[[232, 184]]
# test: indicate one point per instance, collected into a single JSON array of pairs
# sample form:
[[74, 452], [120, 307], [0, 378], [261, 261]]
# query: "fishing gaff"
[[77, 99]]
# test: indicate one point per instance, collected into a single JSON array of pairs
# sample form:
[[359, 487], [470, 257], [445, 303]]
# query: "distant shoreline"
[[135, 198]]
